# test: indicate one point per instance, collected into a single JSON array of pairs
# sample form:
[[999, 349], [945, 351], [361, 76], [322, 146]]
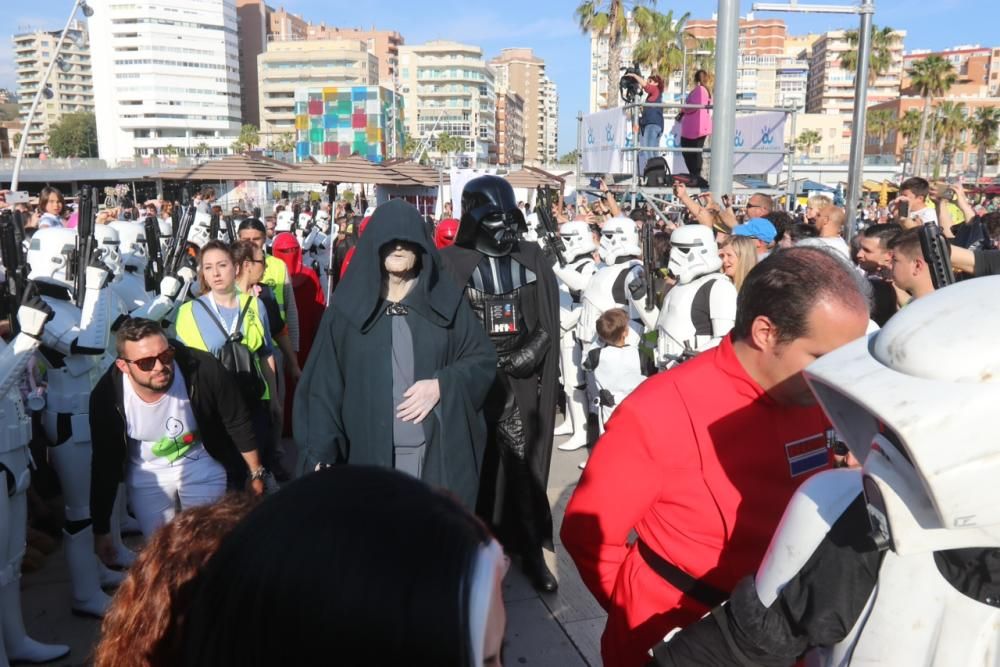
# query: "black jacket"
[[222, 416]]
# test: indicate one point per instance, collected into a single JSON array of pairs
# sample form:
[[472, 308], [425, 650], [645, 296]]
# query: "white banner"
[[763, 131], [605, 133]]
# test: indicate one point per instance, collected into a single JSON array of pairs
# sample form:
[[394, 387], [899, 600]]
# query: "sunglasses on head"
[[149, 363]]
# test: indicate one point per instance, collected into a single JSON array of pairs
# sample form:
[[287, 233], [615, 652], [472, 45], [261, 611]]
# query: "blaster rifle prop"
[[15, 268], [179, 242], [154, 253], [213, 228], [649, 265], [86, 244], [937, 254], [295, 218], [231, 229], [550, 231]]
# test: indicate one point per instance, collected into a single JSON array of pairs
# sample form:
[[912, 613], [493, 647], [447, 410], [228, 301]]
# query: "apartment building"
[[522, 72], [510, 128], [384, 44], [977, 67], [551, 112]]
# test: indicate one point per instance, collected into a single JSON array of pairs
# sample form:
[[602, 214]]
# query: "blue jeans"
[[650, 138]]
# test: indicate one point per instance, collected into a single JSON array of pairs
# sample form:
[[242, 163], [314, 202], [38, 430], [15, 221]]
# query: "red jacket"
[[700, 462]]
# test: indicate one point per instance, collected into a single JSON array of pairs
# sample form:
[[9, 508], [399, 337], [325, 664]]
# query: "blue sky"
[[548, 27]]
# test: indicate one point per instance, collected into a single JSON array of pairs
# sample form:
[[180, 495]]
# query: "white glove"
[[170, 287]]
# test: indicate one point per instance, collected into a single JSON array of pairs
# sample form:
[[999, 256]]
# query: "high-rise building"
[[831, 87], [510, 128], [254, 21], [291, 65], [600, 58], [167, 77], [285, 26], [551, 113], [71, 83], [977, 67], [521, 71], [383, 43], [448, 88]]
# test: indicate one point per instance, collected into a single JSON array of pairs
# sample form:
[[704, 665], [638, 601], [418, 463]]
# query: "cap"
[[758, 228]]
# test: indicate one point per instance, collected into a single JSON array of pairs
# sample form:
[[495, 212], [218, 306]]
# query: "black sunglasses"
[[149, 363]]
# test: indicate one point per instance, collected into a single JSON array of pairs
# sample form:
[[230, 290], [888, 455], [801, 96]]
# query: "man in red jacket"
[[700, 461]]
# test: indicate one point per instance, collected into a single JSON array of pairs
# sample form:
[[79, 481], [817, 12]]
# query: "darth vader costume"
[[513, 291], [346, 401]]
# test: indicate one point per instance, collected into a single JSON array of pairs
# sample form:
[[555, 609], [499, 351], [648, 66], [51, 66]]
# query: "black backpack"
[[237, 358], [657, 173]]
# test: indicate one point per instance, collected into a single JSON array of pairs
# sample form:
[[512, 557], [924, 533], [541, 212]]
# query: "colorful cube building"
[[331, 123]]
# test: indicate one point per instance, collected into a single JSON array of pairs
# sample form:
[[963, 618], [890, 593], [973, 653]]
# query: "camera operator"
[[651, 118]]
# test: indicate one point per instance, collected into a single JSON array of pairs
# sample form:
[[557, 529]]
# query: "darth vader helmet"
[[491, 220]]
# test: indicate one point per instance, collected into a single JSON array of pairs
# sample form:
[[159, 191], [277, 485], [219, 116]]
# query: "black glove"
[[522, 363], [607, 398]]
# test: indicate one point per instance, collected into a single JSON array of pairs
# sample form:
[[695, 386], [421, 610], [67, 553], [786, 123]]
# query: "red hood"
[[287, 249], [444, 234]]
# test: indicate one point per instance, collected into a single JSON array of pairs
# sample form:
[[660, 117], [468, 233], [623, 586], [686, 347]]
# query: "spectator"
[[651, 118], [795, 233], [875, 259], [424, 590], [761, 231], [145, 623], [688, 465], [166, 420], [814, 205], [50, 208], [739, 256], [830, 224], [781, 220], [400, 341], [616, 363], [758, 206], [910, 272], [915, 191], [696, 126], [203, 200]]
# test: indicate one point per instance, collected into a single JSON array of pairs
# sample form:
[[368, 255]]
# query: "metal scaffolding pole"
[[855, 171], [724, 102]]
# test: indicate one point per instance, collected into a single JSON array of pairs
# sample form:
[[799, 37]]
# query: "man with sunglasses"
[[169, 422]]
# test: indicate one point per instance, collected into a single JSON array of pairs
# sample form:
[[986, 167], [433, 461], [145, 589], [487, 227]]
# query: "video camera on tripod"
[[628, 86]]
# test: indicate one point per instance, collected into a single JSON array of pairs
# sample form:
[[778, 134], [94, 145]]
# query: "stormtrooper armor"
[[283, 223], [109, 247], [73, 344], [199, 234], [899, 558], [573, 280], [129, 284], [701, 308], [15, 433]]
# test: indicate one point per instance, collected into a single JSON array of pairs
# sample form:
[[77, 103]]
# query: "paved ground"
[[552, 630]]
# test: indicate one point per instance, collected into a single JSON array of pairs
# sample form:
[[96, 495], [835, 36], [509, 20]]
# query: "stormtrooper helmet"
[[109, 246], [619, 238], [577, 238], [693, 253], [323, 221], [901, 398], [283, 223], [199, 234], [133, 245], [305, 217], [48, 254]]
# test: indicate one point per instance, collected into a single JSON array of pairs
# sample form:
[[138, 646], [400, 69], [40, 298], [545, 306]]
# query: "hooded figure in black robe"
[[346, 401], [513, 291]]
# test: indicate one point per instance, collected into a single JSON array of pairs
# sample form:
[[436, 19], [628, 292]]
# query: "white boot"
[[21, 647], [109, 578], [577, 415], [566, 427], [124, 557], [88, 598]]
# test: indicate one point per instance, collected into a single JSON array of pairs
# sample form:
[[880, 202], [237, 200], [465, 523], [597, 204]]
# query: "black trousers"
[[693, 161]]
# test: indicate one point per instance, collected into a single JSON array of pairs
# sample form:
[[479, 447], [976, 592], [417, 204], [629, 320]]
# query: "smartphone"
[[903, 209], [19, 197], [725, 200], [595, 183], [949, 194]]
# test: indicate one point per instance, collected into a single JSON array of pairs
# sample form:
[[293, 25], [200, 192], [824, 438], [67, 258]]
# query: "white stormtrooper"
[[573, 280], [15, 434], [73, 344], [108, 247], [129, 284], [315, 245], [284, 222], [701, 308], [896, 562], [620, 284]]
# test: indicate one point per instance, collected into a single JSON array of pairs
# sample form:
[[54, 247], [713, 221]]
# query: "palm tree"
[[659, 46], [951, 122], [446, 144], [879, 123], [807, 140], [985, 124], [932, 77], [609, 18], [883, 41]]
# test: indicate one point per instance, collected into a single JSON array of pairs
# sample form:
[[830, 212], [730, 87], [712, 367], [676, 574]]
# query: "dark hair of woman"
[[147, 615], [349, 565], [254, 224]]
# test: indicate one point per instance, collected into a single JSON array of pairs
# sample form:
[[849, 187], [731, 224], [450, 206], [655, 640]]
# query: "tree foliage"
[[284, 143], [75, 135], [249, 138], [570, 158], [932, 76], [660, 44], [609, 18], [883, 41], [807, 139]]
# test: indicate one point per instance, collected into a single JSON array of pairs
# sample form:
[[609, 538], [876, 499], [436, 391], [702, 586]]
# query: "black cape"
[[343, 404], [536, 395]]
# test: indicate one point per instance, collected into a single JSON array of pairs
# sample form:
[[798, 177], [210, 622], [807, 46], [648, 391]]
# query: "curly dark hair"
[[144, 623]]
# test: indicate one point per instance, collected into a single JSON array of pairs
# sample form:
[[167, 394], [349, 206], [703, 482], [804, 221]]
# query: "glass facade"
[[331, 123]]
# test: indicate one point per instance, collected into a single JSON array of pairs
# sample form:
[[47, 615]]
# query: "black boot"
[[538, 572]]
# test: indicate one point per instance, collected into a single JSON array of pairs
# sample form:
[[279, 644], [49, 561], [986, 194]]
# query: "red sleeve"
[[624, 477], [651, 89]]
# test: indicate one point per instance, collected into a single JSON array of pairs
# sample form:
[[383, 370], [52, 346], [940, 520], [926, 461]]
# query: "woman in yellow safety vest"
[[206, 323]]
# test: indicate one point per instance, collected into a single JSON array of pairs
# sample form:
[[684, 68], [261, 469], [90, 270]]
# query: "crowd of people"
[[305, 394]]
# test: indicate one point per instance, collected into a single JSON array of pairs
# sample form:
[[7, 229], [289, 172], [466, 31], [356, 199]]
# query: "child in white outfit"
[[615, 364]]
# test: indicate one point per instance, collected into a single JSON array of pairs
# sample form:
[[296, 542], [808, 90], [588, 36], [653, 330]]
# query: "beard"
[[160, 382]]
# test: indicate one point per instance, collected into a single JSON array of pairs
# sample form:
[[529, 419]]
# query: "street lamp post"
[[87, 11]]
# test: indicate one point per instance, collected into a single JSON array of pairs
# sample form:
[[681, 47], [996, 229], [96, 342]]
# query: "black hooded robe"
[[344, 409], [535, 395]]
